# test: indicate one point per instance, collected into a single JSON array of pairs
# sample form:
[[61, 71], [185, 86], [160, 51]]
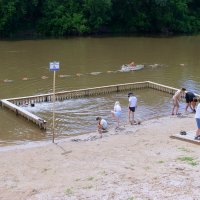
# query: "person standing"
[[132, 107], [190, 101], [176, 100], [117, 112], [197, 117]]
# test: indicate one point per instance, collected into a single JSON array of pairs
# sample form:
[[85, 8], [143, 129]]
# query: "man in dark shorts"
[[191, 101], [132, 106]]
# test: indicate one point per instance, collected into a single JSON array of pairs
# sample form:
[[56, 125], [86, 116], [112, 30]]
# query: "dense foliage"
[[79, 17]]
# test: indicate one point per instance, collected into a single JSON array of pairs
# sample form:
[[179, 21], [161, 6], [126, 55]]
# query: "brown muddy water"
[[91, 62]]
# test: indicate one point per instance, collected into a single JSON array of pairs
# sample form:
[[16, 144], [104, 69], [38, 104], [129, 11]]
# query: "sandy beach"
[[136, 162]]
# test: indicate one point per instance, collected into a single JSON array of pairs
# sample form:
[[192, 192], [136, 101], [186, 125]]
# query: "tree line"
[[55, 18]]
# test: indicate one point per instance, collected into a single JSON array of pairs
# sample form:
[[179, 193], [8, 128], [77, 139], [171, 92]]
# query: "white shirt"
[[132, 101], [197, 115], [104, 123], [117, 108]]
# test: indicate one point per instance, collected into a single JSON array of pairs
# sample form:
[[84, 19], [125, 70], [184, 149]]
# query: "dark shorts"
[[132, 109], [189, 97]]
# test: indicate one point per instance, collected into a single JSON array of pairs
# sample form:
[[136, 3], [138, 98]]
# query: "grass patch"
[[160, 161], [90, 178], [88, 187], [184, 149], [188, 160], [68, 191], [146, 168], [131, 198]]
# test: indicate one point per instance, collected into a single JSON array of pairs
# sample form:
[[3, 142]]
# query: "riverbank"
[[136, 162]]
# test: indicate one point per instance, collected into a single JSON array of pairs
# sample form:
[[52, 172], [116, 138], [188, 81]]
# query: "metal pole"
[[54, 98]]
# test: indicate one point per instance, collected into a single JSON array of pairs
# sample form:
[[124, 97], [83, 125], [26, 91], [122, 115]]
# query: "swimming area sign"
[[54, 66]]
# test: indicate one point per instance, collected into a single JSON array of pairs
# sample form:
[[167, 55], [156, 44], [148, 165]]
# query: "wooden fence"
[[15, 104]]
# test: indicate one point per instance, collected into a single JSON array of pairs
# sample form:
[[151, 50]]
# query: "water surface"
[[90, 62]]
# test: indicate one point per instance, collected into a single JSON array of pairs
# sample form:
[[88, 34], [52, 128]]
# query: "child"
[[117, 112], [102, 125], [176, 99]]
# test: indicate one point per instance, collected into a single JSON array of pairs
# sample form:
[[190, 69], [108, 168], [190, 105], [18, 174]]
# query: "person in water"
[[132, 64], [131, 106], [116, 113], [191, 101], [176, 99]]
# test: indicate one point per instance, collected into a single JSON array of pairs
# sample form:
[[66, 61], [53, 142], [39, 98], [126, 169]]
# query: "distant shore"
[[136, 162]]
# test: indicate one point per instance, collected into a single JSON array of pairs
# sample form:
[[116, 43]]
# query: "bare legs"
[[131, 115], [175, 107], [115, 118]]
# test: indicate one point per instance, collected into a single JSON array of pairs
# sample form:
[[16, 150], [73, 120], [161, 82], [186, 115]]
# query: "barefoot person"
[[197, 117], [131, 106], [176, 100], [117, 112], [102, 125], [190, 101]]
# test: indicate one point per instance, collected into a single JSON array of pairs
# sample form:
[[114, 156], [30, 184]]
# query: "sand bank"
[[136, 162]]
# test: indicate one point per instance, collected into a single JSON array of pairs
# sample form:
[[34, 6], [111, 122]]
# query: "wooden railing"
[[15, 104]]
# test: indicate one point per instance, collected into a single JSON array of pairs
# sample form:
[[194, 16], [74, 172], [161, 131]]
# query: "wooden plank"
[[189, 137], [20, 111]]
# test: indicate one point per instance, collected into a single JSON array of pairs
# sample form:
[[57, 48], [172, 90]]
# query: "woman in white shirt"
[[117, 112]]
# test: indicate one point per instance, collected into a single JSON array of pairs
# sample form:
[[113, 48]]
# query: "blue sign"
[[54, 66]]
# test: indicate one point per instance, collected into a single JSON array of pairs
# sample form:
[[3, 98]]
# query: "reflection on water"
[[91, 62]]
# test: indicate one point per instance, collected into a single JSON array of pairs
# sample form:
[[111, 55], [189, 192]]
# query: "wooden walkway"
[[189, 137], [15, 104]]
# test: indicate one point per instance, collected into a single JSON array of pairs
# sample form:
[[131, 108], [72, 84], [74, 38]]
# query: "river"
[[89, 62]]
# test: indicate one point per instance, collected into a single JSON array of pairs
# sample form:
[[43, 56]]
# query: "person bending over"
[[176, 100], [102, 125], [191, 100]]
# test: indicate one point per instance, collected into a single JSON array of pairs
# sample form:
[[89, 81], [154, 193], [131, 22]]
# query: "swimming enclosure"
[[15, 104]]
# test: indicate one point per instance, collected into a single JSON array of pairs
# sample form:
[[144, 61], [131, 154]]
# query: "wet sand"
[[135, 162]]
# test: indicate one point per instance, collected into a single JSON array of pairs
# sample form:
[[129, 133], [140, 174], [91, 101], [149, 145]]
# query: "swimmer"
[[78, 74], [110, 71], [63, 75], [7, 81], [132, 64], [25, 79], [44, 77], [95, 73]]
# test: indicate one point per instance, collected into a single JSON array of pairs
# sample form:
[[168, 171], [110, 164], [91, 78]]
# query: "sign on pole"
[[54, 66]]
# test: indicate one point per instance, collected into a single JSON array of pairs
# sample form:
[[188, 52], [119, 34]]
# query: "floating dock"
[[15, 104]]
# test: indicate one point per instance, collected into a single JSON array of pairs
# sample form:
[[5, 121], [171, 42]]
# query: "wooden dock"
[[189, 137], [15, 104]]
